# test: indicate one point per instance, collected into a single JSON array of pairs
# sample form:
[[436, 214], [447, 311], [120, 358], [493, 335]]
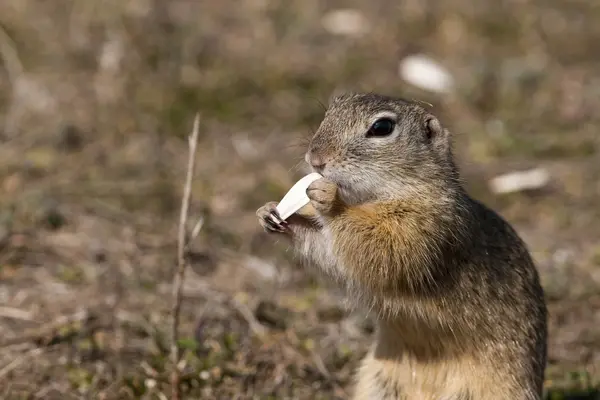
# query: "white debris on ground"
[[520, 181], [110, 61], [425, 73], [28, 92], [345, 22]]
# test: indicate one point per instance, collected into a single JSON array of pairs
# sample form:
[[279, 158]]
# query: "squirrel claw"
[[269, 218]]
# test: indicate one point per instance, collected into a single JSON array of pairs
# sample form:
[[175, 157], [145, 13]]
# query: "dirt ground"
[[96, 101]]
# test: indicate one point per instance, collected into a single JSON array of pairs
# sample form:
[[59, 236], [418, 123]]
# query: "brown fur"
[[460, 310]]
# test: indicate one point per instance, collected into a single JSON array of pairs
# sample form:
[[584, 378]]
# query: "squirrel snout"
[[316, 161]]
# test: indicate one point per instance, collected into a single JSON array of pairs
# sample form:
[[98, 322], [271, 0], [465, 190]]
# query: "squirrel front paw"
[[323, 195], [269, 219]]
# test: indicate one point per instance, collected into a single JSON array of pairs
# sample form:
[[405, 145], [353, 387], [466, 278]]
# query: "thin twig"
[[196, 229], [179, 278], [15, 313], [19, 361], [10, 56], [255, 326], [45, 332], [320, 364]]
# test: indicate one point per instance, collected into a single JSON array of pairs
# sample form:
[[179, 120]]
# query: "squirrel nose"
[[316, 161]]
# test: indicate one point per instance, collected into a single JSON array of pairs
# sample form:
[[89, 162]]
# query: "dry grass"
[[96, 100]]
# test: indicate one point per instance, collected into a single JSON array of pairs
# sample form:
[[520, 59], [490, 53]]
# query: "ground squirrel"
[[459, 306]]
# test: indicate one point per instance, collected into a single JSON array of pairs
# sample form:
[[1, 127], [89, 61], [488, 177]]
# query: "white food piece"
[[296, 197], [425, 73]]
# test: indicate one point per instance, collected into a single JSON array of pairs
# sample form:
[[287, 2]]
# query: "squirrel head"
[[375, 146]]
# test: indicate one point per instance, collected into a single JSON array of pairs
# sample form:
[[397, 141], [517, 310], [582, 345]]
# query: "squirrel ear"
[[433, 128], [436, 134]]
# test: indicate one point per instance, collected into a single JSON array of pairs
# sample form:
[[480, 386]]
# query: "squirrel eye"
[[381, 127]]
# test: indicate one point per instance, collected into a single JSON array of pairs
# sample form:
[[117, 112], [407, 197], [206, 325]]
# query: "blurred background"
[[97, 99]]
